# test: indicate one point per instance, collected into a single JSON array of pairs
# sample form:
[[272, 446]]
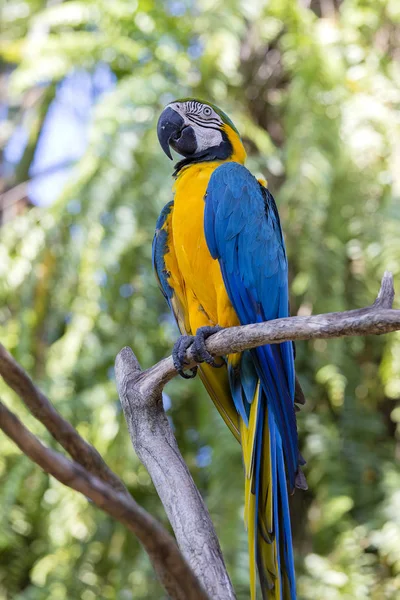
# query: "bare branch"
[[173, 572], [62, 431], [152, 437], [155, 444], [386, 293], [376, 319]]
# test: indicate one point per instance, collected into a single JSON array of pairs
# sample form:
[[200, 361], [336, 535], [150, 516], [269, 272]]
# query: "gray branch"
[[153, 440], [156, 446], [61, 430], [172, 570], [376, 319]]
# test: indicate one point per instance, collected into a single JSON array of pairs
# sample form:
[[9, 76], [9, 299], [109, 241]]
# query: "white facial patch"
[[205, 122]]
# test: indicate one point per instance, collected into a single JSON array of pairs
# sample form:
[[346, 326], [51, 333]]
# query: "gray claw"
[[199, 350], [178, 356]]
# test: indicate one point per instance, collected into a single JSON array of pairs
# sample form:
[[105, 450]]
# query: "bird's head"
[[199, 131]]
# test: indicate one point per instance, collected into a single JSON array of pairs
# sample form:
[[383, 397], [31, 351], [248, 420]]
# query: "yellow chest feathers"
[[206, 296], [191, 250]]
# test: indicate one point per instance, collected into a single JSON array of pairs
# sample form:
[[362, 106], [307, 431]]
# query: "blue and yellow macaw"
[[220, 259]]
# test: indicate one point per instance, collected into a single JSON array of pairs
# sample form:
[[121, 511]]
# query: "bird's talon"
[[193, 373], [179, 356], [199, 350]]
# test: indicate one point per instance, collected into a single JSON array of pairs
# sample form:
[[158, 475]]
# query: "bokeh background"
[[314, 87]]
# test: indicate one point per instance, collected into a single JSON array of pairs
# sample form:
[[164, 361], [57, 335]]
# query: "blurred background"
[[314, 87]]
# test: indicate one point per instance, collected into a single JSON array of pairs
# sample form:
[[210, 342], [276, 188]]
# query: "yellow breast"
[[207, 300]]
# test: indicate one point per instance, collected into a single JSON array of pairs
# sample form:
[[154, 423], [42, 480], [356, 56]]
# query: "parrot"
[[220, 261]]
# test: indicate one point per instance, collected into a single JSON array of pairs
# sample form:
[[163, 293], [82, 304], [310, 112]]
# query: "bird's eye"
[[207, 111]]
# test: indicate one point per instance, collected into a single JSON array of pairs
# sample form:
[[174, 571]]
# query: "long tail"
[[267, 516]]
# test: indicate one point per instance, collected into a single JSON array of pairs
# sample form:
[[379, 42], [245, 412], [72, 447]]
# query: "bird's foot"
[[178, 356], [200, 353], [199, 350]]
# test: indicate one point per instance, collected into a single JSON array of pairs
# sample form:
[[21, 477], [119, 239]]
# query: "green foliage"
[[316, 100]]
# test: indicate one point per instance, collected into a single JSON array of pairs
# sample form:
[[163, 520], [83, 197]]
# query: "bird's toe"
[[178, 356], [199, 350]]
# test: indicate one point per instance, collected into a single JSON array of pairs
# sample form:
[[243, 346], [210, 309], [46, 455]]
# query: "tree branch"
[[376, 319], [61, 430], [173, 572], [155, 444], [153, 440]]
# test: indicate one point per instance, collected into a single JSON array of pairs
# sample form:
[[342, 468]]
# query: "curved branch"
[[172, 570], [376, 319], [61, 430], [155, 444]]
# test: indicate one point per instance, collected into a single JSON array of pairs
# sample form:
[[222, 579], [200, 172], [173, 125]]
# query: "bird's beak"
[[172, 131], [169, 126]]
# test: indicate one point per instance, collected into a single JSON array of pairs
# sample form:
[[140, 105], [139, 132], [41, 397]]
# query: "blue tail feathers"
[[267, 512]]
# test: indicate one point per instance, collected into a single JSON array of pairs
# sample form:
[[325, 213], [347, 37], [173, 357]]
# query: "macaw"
[[220, 260]]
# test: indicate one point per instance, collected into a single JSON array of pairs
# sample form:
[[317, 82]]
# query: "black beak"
[[172, 131], [169, 126]]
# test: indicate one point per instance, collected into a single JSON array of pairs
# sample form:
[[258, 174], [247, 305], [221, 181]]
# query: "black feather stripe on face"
[[195, 106], [203, 125], [201, 122], [198, 105]]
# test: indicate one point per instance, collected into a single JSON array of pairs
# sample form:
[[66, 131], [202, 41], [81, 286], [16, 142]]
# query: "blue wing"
[[159, 249], [169, 280], [243, 232], [242, 229]]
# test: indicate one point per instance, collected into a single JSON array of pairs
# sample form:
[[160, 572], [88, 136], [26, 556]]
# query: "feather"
[[242, 230]]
